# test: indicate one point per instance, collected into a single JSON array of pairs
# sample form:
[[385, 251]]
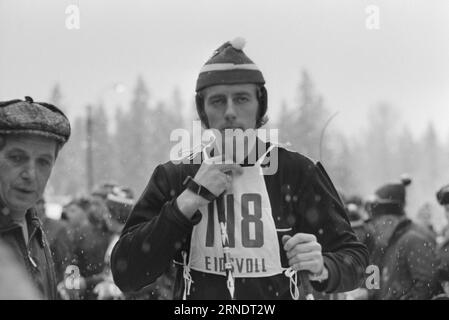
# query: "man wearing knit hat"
[[403, 250], [234, 231], [31, 135]]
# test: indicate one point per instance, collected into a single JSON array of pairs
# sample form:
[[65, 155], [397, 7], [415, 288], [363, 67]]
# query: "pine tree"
[[407, 153], [308, 120], [379, 143], [102, 148], [75, 172], [56, 97], [122, 148], [285, 125], [60, 177], [134, 139], [341, 165], [430, 152]]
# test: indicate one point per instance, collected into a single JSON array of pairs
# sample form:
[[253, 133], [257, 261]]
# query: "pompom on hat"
[[229, 65], [34, 118]]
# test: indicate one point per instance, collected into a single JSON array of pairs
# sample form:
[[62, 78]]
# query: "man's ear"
[[199, 100]]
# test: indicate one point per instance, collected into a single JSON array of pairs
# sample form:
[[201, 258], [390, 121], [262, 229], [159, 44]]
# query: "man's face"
[[231, 106], [25, 166]]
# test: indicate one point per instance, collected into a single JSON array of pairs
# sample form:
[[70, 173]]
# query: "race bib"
[[251, 231]]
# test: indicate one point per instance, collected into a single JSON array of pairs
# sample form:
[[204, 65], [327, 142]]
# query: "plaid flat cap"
[[38, 118]]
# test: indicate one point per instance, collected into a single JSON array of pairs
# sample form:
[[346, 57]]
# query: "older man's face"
[[25, 166]]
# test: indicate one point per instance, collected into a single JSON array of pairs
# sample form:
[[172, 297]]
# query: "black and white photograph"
[[224, 150]]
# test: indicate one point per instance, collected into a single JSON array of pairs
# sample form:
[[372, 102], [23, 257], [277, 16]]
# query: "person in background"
[[90, 232], [74, 216], [405, 254], [119, 200], [424, 219], [92, 239], [58, 239], [31, 137], [74, 213], [359, 220], [360, 223]]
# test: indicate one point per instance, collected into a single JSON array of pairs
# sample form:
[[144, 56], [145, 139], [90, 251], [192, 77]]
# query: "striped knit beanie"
[[229, 65]]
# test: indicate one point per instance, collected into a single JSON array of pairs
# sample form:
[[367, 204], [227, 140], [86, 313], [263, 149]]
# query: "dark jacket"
[[34, 255], [88, 254], [406, 257], [301, 196], [60, 245], [443, 251], [364, 233]]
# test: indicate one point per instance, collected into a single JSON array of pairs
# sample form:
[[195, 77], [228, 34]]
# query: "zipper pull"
[[32, 260]]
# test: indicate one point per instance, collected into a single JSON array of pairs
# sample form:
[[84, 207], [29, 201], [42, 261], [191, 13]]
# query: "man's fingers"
[[285, 239], [297, 239], [303, 257], [304, 248], [306, 265]]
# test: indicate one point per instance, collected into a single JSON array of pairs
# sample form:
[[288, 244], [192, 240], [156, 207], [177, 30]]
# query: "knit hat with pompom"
[[229, 65], [393, 193]]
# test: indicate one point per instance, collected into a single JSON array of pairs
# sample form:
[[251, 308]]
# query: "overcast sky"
[[405, 62]]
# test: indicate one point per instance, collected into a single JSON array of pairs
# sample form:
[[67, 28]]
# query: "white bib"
[[253, 241]]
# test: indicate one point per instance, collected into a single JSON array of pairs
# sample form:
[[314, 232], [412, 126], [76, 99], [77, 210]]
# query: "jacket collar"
[[6, 222], [401, 228], [31, 218]]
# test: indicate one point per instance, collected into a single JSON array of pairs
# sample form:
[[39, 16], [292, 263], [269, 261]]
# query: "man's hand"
[[304, 253], [213, 175]]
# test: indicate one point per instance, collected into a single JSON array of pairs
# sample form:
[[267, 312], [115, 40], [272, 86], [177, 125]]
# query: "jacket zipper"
[[48, 259], [30, 237], [29, 261]]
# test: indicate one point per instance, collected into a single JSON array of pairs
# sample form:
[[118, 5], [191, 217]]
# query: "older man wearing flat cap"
[[31, 135]]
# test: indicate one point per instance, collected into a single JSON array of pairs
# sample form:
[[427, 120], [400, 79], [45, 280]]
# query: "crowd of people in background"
[[413, 259], [81, 242]]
